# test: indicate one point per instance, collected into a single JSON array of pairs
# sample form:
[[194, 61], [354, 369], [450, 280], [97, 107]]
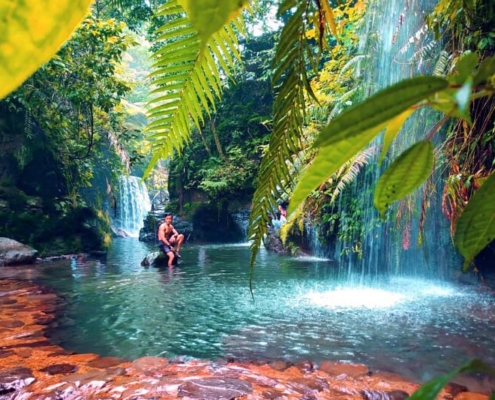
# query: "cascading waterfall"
[[241, 219], [415, 239], [133, 205]]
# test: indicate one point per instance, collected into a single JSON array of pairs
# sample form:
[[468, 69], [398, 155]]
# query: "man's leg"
[[179, 241], [171, 256]]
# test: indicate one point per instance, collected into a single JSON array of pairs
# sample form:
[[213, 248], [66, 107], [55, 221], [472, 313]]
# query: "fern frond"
[[290, 81], [187, 81], [350, 170], [441, 64]]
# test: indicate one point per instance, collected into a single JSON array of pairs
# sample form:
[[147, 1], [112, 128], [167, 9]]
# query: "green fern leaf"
[[187, 81]]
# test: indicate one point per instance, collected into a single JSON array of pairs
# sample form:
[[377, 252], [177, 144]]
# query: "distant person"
[[169, 238], [281, 214]]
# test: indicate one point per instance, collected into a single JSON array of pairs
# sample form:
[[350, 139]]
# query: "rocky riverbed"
[[31, 367]]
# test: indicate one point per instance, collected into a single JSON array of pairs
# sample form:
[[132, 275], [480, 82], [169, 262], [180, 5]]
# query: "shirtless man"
[[169, 237]]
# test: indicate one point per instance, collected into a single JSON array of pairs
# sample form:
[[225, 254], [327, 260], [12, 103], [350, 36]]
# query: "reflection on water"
[[301, 310]]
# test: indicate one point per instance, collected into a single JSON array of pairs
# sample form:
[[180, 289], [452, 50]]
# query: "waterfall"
[[241, 219], [415, 239], [133, 205]]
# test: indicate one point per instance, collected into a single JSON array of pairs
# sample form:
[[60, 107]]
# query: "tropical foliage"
[[188, 81], [60, 128]]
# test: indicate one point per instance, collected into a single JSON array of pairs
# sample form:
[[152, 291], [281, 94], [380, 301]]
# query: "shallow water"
[[301, 310]]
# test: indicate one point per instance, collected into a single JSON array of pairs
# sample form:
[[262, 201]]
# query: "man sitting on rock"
[[169, 237]]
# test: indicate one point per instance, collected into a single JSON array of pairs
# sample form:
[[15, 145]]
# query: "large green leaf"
[[31, 33], [380, 108], [431, 389], [485, 70], [393, 129], [328, 160], [476, 226], [404, 175], [208, 16]]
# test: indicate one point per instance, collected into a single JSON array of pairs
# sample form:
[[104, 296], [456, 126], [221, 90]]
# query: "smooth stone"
[[281, 365], [352, 370], [381, 395], [13, 252], [149, 363], [215, 389], [14, 379], [24, 353], [106, 362], [12, 324], [59, 369]]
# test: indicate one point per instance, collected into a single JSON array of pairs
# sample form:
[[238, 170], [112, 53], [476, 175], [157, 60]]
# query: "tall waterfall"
[[415, 239], [133, 204]]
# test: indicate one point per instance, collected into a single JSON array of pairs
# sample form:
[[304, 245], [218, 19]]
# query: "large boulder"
[[15, 253]]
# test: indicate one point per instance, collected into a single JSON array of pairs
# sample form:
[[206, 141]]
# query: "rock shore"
[[31, 367]]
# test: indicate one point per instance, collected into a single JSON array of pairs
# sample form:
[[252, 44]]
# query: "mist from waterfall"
[[415, 238], [133, 205]]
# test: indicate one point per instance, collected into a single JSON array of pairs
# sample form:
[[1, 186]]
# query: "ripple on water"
[[301, 309]]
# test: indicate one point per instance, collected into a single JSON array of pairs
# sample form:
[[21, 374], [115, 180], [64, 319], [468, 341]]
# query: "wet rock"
[[57, 369], [454, 388], [15, 253], [7, 301], [273, 242], [12, 324], [335, 368], [305, 366], [24, 353], [6, 353], [281, 365], [215, 389], [91, 379], [272, 394], [14, 379], [389, 376], [149, 364], [380, 395], [155, 258], [106, 362], [471, 396]]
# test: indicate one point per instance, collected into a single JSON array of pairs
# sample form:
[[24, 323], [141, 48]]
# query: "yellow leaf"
[[31, 33], [208, 16], [329, 17]]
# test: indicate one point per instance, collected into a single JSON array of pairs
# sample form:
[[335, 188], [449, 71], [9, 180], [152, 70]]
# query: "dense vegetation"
[[311, 72]]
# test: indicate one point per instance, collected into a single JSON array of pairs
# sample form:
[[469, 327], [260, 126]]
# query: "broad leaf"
[[431, 389], [380, 108], [404, 175], [476, 226], [328, 160], [208, 16], [465, 68], [393, 130], [463, 95], [31, 33], [485, 70]]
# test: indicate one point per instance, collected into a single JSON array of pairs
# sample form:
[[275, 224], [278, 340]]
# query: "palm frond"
[[187, 81], [290, 81]]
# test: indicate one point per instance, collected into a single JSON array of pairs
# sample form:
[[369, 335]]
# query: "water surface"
[[301, 310]]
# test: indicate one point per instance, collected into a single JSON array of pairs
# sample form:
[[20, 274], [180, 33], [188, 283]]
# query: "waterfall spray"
[[132, 206], [415, 239]]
